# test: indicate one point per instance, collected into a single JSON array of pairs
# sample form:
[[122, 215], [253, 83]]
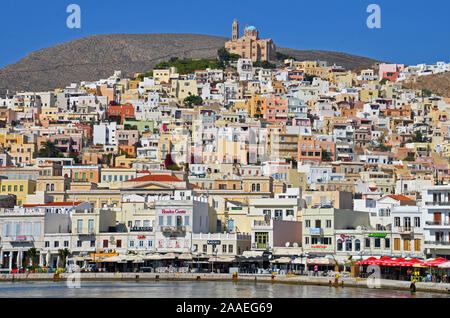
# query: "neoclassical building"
[[250, 46]]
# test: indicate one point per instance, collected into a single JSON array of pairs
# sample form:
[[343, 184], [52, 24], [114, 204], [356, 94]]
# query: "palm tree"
[[64, 254], [32, 254]]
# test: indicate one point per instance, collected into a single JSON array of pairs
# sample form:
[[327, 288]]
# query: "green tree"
[[32, 254], [193, 100], [326, 156], [49, 150], [64, 254]]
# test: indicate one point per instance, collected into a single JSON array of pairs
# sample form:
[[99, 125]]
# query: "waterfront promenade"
[[260, 278]]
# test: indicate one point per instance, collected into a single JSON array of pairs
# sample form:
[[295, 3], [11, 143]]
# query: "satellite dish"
[[287, 244], [295, 244]]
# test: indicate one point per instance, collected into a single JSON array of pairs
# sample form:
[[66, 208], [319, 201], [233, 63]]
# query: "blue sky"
[[412, 32]]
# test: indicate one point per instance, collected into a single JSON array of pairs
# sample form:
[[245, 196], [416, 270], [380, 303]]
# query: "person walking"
[[316, 270]]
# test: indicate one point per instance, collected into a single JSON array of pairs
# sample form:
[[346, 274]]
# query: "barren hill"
[[98, 56], [437, 83]]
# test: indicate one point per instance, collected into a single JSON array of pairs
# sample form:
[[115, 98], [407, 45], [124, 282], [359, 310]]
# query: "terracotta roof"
[[156, 177], [53, 204], [400, 197]]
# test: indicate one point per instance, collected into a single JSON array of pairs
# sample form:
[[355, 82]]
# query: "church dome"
[[251, 28]]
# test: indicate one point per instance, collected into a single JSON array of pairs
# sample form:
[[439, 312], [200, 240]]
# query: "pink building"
[[389, 68], [276, 109]]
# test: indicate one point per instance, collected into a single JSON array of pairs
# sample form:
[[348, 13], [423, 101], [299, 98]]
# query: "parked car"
[[90, 268]]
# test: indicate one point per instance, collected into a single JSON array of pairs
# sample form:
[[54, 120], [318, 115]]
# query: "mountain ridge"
[[98, 56]]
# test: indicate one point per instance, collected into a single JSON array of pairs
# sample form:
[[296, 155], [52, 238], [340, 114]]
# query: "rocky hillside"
[[438, 84], [95, 57]]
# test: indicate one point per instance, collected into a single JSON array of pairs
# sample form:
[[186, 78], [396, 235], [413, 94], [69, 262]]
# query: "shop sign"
[[176, 211], [346, 237], [141, 237], [214, 242], [319, 246], [377, 235], [315, 231]]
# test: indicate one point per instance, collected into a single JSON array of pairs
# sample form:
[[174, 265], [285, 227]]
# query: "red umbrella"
[[435, 262], [366, 261]]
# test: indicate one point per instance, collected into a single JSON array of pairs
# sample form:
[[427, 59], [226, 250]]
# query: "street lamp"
[[215, 251]]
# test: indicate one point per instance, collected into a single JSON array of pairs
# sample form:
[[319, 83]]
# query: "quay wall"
[[260, 278]]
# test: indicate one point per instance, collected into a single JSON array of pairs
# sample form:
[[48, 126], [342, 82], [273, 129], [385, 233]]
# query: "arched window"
[[339, 245], [253, 187], [52, 187], [47, 187], [348, 245], [258, 187]]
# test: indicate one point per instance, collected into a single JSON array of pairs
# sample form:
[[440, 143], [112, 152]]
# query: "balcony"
[[405, 229], [443, 243], [437, 223], [438, 203], [20, 239], [173, 229]]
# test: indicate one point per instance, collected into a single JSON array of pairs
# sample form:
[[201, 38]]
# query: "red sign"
[[319, 246], [176, 211], [141, 237]]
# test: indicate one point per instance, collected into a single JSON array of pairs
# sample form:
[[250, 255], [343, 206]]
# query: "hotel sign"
[[315, 231], [176, 211], [214, 242], [377, 235]]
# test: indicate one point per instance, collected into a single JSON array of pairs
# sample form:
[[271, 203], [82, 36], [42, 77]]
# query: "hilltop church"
[[250, 46]]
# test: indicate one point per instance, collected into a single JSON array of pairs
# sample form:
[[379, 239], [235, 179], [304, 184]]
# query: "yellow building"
[[366, 95], [256, 106], [20, 188]]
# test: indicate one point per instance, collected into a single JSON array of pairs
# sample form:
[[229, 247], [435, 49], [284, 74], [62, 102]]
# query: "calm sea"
[[193, 289]]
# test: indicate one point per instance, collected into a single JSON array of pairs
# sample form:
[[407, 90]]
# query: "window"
[[161, 220], [367, 242], [289, 212], [66, 243], [339, 245], [307, 240], [377, 243], [396, 221], [91, 226], [318, 224], [417, 221], [141, 243], [407, 245], [150, 243], [56, 244], [92, 243], [230, 248], [205, 248], [224, 248], [169, 220], [328, 223], [307, 223], [417, 245], [131, 243], [186, 220], [79, 243], [105, 243], [79, 226], [47, 244], [397, 244], [278, 213], [357, 245], [119, 243], [387, 243]]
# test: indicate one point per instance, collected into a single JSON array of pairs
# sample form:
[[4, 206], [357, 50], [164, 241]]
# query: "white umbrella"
[[444, 265]]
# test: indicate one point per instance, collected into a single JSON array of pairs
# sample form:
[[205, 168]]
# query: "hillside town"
[[254, 161]]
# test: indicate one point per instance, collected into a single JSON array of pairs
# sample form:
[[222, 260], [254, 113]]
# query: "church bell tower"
[[235, 30]]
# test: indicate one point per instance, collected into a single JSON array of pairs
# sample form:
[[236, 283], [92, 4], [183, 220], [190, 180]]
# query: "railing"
[[446, 243], [404, 229], [173, 229], [440, 203], [437, 223]]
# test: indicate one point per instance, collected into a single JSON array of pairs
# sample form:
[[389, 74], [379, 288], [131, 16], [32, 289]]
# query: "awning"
[[168, 256], [321, 261], [185, 257], [444, 265], [152, 257], [282, 260], [253, 254], [436, 262], [282, 251], [222, 259]]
